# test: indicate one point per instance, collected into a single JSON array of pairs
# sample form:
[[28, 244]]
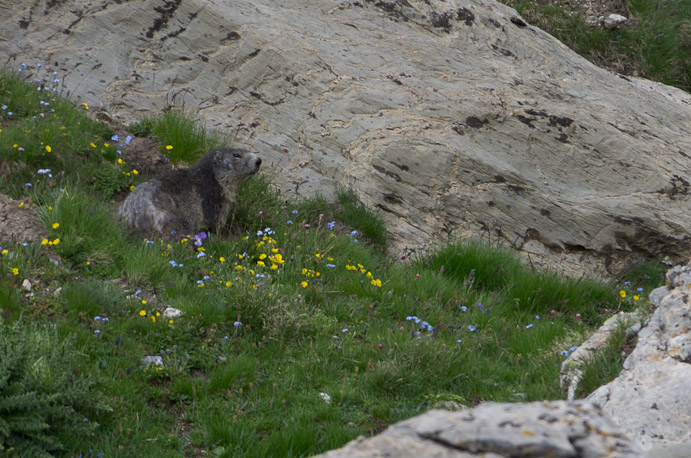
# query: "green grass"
[[655, 43], [245, 365], [181, 137]]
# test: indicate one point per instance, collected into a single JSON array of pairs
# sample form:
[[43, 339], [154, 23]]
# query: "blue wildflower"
[[529, 326], [128, 139], [574, 348], [464, 308], [237, 324], [295, 212], [471, 328], [115, 138], [344, 330], [331, 225], [565, 352], [201, 254], [330, 266], [459, 341]]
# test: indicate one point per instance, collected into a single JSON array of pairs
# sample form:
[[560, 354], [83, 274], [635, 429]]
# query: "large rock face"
[[451, 117]]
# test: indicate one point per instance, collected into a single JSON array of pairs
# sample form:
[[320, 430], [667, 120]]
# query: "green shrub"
[[42, 397]]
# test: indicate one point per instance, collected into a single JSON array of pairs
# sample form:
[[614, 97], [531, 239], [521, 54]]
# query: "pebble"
[[155, 360], [171, 312]]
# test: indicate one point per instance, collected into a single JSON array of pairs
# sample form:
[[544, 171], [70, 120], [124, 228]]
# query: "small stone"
[[57, 292], [155, 360], [325, 397], [26, 284], [171, 312], [614, 20]]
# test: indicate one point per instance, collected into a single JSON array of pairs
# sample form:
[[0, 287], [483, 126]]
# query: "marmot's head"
[[235, 164]]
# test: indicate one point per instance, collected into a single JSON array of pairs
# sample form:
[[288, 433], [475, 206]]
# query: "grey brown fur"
[[189, 200]]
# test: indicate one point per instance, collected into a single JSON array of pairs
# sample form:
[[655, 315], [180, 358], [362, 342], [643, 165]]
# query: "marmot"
[[189, 200]]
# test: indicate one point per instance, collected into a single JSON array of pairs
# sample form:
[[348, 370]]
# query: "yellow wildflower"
[[274, 266], [228, 284], [622, 293], [222, 259], [21, 204], [44, 242], [142, 313], [48, 148], [304, 284], [15, 271], [93, 145], [135, 171], [261, 263], [169, 147], [56, 225], [56, 241], [120, 160], [131, 187], [4, 252], [144, 302], [635, 298], [86, 107]]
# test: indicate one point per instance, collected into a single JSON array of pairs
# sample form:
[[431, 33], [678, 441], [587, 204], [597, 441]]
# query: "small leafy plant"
[[43, 398]]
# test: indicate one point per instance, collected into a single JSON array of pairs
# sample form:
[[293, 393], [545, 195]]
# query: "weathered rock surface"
[[454, 118], [551, 429], [651, 398]]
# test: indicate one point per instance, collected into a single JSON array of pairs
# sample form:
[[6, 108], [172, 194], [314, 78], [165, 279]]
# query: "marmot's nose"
[[259, 161]]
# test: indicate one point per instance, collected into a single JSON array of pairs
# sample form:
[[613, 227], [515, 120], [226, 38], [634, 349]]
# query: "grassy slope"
[[245, 365], [655, 43]]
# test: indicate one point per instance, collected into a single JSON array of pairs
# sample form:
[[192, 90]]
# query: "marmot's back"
[[189, 200]]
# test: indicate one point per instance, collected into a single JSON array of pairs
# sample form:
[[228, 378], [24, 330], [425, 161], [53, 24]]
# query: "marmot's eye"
[[237, 155]]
